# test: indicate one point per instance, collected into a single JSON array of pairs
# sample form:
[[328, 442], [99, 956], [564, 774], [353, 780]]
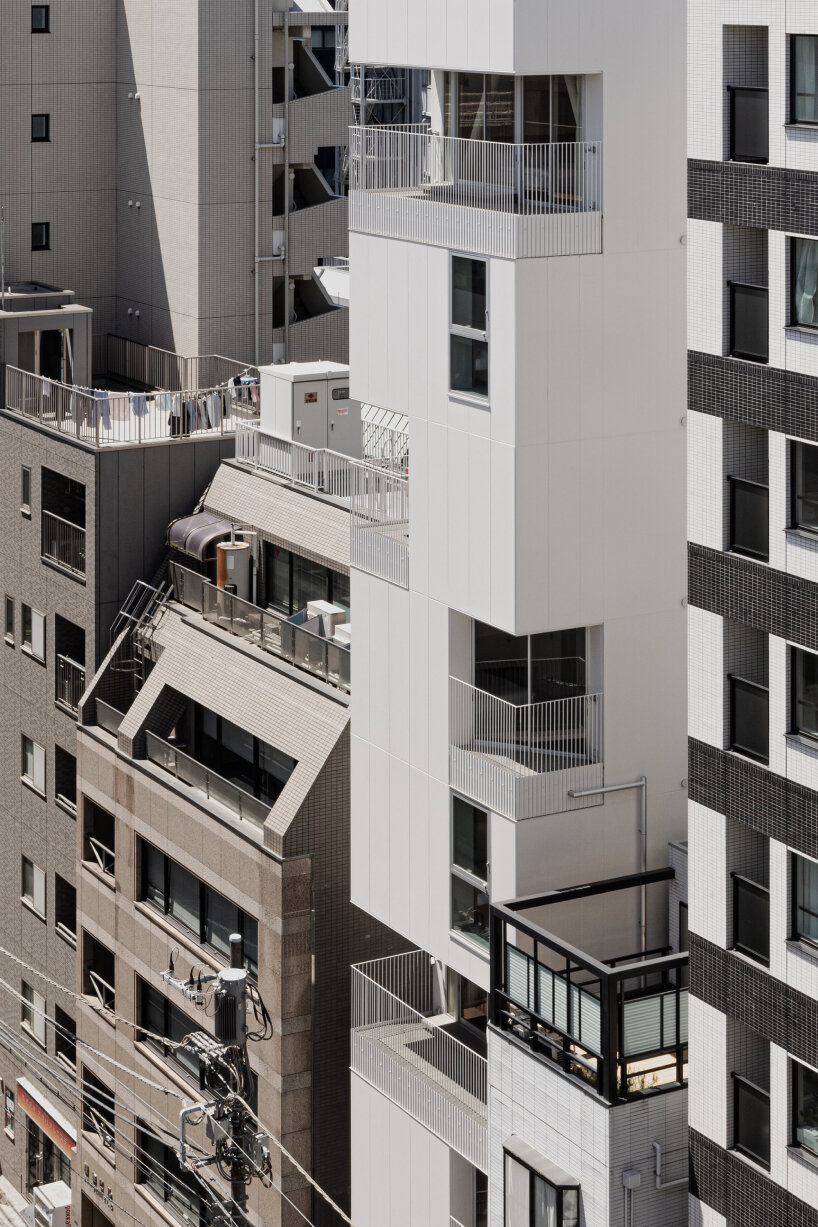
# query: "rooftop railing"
[[298, 645], [523, 761], [133, 362], [620, 1026], [486, 196], [400, 1046], [215, 787], [103, 418]]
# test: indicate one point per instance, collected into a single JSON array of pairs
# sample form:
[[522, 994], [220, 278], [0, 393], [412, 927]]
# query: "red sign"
[[46, 1122]]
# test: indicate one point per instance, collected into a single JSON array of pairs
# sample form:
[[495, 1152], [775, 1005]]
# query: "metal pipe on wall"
[[255, 187]]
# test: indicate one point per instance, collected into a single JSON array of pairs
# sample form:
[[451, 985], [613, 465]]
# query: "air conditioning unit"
[[52, 1205]]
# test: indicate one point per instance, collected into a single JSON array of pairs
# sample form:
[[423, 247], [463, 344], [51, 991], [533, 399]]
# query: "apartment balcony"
[[212, 786], [69, 684], [63, 544], [524, 760], [618, 1024], [405, 1047], [379, 525], [300, 643], [494, 199]]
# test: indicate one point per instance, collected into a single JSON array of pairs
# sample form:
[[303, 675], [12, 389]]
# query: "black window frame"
[[157, 1166], [794, 1102], [9, 620], [288, 561], [734, 94], [810, 123], [797, 447], [25, 489], [38, 140], [534, 1175], [468, 332], [174, 1021], [46, 231], [796, 934], [792, 247], [205, 890], [747, 887], [45, 9], [101, 1102], [753, 1091], [466, 877], [742, 541], [735, 289], [735, 683], [795, 725]]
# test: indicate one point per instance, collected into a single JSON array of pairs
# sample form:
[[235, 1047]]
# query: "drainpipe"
[[183, 1115], [642, 783], [255, 186], [667, 1184], [288, 67]]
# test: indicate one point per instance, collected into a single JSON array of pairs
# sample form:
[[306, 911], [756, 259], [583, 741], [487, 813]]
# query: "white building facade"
[[517, 292], [753, 445]]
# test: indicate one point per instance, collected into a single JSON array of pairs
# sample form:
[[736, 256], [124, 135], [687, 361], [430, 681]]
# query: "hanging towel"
[[103, 408]]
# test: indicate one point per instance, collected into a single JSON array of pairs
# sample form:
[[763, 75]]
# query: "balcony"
[[406, 1047], [618, 1024], [494, 199], [379, 525], [749, 718], [751, 919], [69, 684], [749, 518], [214, 787], [63, 544], [749, 322], [749, 123], [524, 761], [751, 1120], [302, 645]]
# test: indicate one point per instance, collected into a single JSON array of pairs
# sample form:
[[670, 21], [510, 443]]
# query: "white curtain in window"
[[808, 899], [806, 79], [545, 1204], [806, 281], [518, 1183]]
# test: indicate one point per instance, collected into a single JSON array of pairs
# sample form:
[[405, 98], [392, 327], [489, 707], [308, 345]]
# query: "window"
[[34, 632], [65, 909], [805, 1106], [805, 899], [195, 906], [33, 889], [159, 1015], [804, 671], [804, 282], [158, 1166], [99, 973], [25, 488], [751, 919], [9, 623], [805, 486], [804, 79], [530, 668], [292, 581], [40, 15], [40, 127], [100, 847], [751, 1120], [65, 780], [33, 767], [469, 327], [470, 900], [32, 1012], [65, 1038], [533, 1201], [98, 1111], [8, 1112], [236, 755], [40, 236]]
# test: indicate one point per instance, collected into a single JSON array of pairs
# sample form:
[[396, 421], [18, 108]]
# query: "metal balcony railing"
[[268, 630], [317, 468], [101, 854], [522, 761], [400, 1047], [102, 990], [69, 683], [215, 787], [379, 525], [63, 543], [484, 196], [133, 362]]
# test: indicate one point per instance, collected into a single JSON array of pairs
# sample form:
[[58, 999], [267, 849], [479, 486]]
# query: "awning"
[[193, 534], [52, 1122]]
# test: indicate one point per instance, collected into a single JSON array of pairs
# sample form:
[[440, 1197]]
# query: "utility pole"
[[234, 1011]]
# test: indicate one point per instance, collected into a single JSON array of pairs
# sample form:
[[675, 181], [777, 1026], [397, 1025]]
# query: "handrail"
[[69, 682], [105, 992], [215, 787], [62, 542], [103, 855]]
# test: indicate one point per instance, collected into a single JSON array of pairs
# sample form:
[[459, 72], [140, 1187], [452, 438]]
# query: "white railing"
[[379, 526], [319, 468], [101, 417], [63, 543], [499, 199], [102, 854], [400, 1048], [69, 683], [103, 991], [133, 362], [385, 446], [522, 761]]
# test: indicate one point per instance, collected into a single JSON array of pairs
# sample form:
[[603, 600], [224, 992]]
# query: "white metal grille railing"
[[522, 761], [102, 990], [379, 525], [500, 199], [399, 1047], [102, 854], [63, 543], [70, 683]]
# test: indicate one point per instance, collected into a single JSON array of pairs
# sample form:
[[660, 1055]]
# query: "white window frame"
[[37, 779], [35, 645], [466, 332], [32, 1013], [35, 899]]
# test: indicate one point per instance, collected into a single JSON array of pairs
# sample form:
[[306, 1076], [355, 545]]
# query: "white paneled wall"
[[705, 480], [705, 287], [707, 873], [706, 677], [708, 1111]]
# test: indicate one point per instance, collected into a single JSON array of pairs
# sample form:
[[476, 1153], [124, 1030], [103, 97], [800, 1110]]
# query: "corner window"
[[9, 620], [470, 899], [533, 1201], [805, 899], [40, 127], [32, 1012], [804, 692], [805, 486], [34, 632], [33, 764], [40, 236], [25, 488], [40, 18], [804, 79], [804, 282], [33, 886], [805, 1106], [469, 327]]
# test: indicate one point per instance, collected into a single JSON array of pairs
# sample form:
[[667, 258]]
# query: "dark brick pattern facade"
[[740, 194], [768, 600], [754, 394], [765, 802], [739, 1192], [747, 992]]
